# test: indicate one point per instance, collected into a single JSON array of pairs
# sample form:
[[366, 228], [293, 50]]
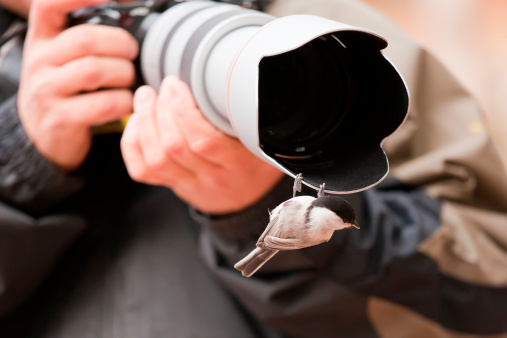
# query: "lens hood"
[[317, 97]]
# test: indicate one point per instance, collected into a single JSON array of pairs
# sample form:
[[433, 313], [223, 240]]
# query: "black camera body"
[[134, 16], [138, 16]]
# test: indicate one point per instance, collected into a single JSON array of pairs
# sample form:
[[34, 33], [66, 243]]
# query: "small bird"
[[298, 223]]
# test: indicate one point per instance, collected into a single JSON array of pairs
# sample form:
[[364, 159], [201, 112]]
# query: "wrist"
[[247, 224]]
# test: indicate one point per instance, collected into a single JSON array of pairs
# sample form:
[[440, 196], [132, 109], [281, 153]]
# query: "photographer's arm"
[[336, 279], [45, 133]]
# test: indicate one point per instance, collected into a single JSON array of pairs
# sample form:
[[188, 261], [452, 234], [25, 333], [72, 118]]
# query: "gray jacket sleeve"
[[27, 179], [332, 278], [32, 236]]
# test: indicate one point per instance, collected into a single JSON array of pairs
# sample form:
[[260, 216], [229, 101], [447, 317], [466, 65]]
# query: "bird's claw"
[[322, 190], [297, 184]]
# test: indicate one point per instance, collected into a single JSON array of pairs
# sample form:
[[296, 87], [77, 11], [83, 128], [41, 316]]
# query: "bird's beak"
[[355, 225]]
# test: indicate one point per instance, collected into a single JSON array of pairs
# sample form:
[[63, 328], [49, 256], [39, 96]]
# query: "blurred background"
[[470, 38]]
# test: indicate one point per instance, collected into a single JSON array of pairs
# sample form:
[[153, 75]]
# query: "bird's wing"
[[273, 221], [276, 243]]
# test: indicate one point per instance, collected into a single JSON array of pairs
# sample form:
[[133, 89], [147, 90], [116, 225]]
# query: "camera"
[[306, 94]]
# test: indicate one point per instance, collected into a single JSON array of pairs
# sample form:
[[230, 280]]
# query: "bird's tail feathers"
[[254, 260]]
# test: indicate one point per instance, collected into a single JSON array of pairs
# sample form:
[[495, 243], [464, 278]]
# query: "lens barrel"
[[198, 41]]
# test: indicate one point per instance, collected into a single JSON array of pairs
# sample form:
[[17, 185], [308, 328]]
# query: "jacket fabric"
[[93, 254]]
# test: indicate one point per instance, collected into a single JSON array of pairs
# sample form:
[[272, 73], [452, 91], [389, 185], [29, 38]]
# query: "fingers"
[[145, 157], [156, 149], [91, 73], [84, 40], [95, 108], [202, 138], [50, 16], [134, 158], [155, 155], [172, 137], [60, 68]]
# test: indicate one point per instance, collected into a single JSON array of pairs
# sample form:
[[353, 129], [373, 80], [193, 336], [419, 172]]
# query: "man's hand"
[[62, 71], [168, 142]]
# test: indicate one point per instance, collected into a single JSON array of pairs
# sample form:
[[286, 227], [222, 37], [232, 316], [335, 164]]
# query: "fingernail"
[[171, 87], [143, 94]]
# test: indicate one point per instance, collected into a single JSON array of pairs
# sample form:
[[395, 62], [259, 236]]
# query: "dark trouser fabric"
[[134, 273]]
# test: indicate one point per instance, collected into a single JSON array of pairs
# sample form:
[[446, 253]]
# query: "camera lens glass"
[[303, 96]]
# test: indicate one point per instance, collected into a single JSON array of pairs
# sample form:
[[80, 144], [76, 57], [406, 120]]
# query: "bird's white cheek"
[[327, 219]]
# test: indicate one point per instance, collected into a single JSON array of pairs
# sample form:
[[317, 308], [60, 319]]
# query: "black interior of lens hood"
[[325, 108]]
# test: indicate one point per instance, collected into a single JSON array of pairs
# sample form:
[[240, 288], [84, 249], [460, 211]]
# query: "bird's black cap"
[[339, 206]]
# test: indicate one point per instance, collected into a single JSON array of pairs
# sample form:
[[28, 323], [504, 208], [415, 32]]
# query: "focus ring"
[[197, 37], [173, 31]]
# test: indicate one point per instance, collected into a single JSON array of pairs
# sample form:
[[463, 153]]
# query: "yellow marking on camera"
[[111, 127]]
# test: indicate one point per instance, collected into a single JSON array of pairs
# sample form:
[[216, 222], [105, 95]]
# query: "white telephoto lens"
[[306, 94]]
